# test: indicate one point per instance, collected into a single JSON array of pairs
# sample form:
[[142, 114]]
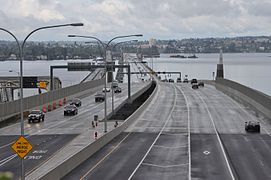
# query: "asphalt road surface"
[[55, 132], [185, 134]]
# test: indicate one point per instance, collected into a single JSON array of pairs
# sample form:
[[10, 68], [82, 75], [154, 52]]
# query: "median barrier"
[[44, 109], [64, 100], [54, 105], [70, 163]]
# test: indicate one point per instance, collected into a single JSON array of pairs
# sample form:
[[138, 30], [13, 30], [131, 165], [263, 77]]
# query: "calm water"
[[253, 70]]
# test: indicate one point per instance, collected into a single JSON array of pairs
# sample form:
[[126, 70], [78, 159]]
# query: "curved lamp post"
[[21, 48], [105, 47]]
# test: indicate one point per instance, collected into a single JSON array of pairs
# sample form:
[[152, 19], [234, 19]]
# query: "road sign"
[[22, 147], [42, 84]]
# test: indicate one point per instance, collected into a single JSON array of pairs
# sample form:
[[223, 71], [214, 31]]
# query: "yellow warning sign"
[[22, 147], [42, 84]]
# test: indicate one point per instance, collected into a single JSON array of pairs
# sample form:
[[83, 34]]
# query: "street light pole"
[[105, 47], [21, 48], [113, 109]]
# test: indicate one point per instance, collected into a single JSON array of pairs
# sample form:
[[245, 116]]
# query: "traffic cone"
[[60, 102], [44, 109], [54, 105], [49, 107]]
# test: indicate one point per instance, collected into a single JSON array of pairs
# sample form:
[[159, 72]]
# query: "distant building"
[[152, 42]]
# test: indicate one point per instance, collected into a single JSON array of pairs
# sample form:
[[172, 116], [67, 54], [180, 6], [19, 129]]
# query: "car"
[[117, 90], [201, 84], [193, 81], [99, 97], [195, 86], [179, 80], [115, 84], [75, 101], [185, 80], [35, 115], [171, 80], [107, 89], [252, 126], [70, 110]]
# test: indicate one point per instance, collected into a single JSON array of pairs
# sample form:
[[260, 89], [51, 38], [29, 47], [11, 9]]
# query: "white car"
[[107, 89]]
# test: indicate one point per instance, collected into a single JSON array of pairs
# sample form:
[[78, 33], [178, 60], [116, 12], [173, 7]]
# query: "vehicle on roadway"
[[201, 84], [252, 126], [70, 110], [195, 86], [36, 115], [185, 80], [99, 97], [117, 90], [171, 80], [107, 89], [179, 80], [75, 101], [115, 84], [194, 81]]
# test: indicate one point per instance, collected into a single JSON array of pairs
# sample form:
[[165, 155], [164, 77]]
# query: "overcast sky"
[[160, 19]]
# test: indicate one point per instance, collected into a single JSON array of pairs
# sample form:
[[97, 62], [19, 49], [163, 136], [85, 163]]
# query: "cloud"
[[163, 19]]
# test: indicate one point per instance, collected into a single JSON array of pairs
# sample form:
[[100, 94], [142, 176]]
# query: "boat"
[[177, 56], [193, 56]]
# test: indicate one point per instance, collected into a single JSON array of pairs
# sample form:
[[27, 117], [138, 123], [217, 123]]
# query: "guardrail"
[[244, 94], [68, 165], [12, 108]]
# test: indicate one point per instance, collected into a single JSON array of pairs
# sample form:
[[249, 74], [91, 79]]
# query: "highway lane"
[[185, 134], [156, 146], [55, 124]]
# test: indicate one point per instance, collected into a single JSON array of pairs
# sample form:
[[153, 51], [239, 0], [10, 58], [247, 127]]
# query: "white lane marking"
[[169, 116], [189, 133], [170, 147], [218, 138], [4, 161], [105, 157], [166, 166]]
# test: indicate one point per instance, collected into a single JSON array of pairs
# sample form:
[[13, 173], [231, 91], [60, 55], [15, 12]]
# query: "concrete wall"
[[12, 108], [85, 153], [257, 100]]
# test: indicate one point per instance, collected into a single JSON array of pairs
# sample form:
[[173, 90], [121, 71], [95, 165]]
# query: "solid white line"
[[6, 160], [189, 134], [173, 147], [130, 177], [105, 157], [167, 166], [218, 138]]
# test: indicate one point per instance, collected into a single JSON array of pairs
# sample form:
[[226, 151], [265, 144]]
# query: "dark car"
[[252, 126], [35, 115], [75, 101], [185, 80], [171, 80], [99, 97], [115, 84], [195, 86], [193, 81], [70, 110], [201, 84], [179, 80], [117, 90]]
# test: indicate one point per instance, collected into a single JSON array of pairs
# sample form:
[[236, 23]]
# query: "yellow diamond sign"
[[22, 147], [42, 84]]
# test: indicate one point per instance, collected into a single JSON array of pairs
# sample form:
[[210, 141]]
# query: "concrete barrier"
[[71, 163], [255, 99], [10, 109]]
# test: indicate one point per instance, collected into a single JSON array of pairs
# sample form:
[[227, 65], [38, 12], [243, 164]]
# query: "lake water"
[[253, 70], [250, 69]]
